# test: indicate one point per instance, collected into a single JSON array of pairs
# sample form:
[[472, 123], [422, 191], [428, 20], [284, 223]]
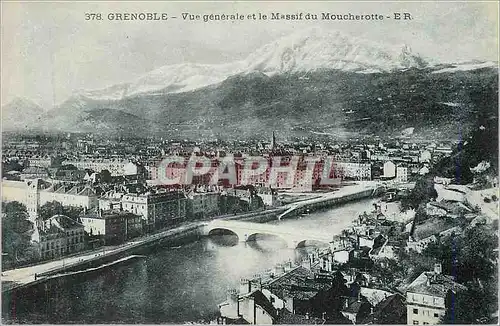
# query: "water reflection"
[[223, 240], [171, 285], [266, 242]]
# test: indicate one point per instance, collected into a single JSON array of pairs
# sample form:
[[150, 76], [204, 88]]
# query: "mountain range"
[[309, 83]]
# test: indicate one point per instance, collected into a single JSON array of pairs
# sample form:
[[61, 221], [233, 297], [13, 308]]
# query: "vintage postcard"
[[249, 162]]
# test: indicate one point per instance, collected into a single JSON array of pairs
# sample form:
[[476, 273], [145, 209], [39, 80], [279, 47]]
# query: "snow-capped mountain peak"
[[316, 48]]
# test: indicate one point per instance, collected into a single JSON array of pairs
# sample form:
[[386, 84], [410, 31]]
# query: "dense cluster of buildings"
[[340, 284], [310, 294], [115, 183], [401, 161], [125, 211]]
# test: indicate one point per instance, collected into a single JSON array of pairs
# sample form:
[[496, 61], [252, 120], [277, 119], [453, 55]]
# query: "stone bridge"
[[247, 231]]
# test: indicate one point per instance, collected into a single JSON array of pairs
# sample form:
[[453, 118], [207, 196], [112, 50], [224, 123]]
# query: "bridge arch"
[[223, 231], [254, 235], [313, 243], [246, 231]]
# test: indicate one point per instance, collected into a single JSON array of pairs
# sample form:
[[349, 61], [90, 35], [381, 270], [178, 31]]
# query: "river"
[[170, 285]]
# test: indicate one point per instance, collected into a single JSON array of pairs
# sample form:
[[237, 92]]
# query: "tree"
[[52, 208], [422, 193], [389, 272], [412, 264], [469, 256], [11, 166], [68, 167], [330, 301], [16, 231], [468, 307], [105, 176]]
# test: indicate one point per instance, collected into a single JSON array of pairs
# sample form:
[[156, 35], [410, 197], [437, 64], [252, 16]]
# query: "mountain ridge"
[[296, 83], [332, 103]]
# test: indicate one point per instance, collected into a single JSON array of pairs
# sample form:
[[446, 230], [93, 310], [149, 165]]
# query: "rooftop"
[[288, 318], [298, 283], [80, 190], [64, 221], [355, 305], [390, 310], [434, 284], [105, 214], [261, 300]]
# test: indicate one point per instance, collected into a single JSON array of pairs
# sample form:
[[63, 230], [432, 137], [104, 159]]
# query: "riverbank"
[[23, 277], [175, 283]]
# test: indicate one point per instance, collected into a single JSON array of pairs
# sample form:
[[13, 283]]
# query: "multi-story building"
[[69, 175], [401, 174], [34, 172], [34, 193], [132, 168], [269, 196], [59, 236], [389, 169], [158, 210], [427, 297], [425, 156], [353, 170], [40, 161], [204, 204], [26, 192], [69, 195], [114, 166], [114, 226]]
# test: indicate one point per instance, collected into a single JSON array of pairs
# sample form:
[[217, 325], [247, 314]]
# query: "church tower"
[[273, 142]]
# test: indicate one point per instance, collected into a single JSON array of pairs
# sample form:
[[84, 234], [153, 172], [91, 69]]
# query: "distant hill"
[[21, 114], [481, 144]]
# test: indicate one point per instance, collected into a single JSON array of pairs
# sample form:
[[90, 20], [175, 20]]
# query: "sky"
[[49, 51]]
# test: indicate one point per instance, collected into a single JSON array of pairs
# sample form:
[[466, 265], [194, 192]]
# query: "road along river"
[[171, 284]]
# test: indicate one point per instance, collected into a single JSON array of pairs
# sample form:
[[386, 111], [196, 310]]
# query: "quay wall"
[[139, 246], [171, 237], [328, 202], [258, 217], [187, 234]]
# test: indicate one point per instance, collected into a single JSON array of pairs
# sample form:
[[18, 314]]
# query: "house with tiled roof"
[[390, 311], [427, 295], [287, 318], [34, 172], [58, 236], [356, 308], [252, 308], [79, 195], [298, 290], [113, 226]]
